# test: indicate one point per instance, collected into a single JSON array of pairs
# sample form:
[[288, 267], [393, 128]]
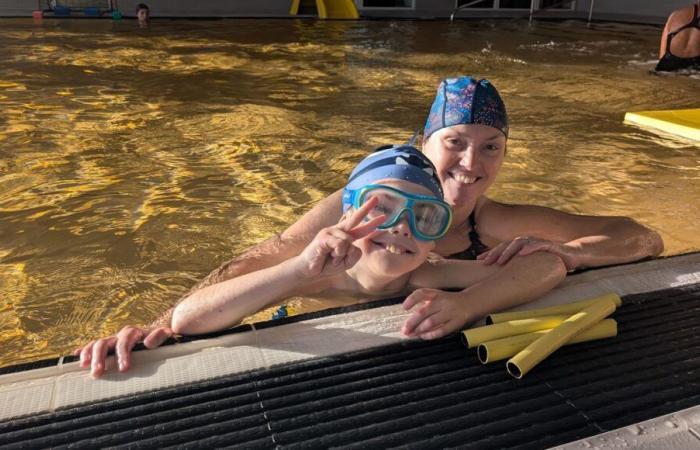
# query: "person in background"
[[143, 15], [680, 40], [465, 137]]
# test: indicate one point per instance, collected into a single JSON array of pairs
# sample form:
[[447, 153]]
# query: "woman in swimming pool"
[[465, 137], [680, 40]]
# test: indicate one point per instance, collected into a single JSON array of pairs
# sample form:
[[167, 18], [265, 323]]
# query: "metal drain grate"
[[412, 394]]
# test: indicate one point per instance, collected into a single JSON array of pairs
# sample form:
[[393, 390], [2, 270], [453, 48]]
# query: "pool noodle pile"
[[528, 337]]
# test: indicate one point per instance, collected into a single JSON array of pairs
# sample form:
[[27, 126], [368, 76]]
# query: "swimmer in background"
[[393, 213], [143, 15], [680, 40]]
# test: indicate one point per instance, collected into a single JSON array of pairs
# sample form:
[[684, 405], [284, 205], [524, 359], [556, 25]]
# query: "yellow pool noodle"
[[499, 349], [475, 336], [568, 309], [534, 353]]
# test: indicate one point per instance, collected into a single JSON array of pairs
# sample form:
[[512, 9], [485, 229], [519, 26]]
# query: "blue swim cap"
[[396, 162], [465, 100]]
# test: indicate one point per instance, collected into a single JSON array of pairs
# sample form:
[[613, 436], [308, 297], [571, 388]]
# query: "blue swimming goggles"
[[428, 217]]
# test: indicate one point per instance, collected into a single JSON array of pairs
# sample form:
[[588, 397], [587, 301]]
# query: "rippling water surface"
[[133, 162]]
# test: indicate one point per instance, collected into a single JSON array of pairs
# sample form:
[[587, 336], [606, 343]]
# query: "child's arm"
[[437, 313], [451, 273], [225, 304]]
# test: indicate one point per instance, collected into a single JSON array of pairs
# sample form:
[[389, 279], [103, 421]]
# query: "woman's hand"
[[94, 354], [332, 249], [437, 313], [523, 245]]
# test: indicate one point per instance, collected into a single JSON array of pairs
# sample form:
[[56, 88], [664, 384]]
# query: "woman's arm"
[[581, 241], [437, 313], [664, 34], [225, 304]]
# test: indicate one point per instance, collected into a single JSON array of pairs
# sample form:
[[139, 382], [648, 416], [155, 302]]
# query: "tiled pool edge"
[[65, 385]]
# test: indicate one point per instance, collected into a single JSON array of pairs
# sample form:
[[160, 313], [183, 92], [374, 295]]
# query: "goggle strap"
[[412, 141], [348, 197]]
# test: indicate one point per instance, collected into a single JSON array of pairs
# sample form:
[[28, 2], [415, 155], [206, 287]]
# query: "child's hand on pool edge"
[[94, 354], [435, 313], [332, 249]]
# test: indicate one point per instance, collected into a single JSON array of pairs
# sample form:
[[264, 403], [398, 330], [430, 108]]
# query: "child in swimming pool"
[[394, 211]]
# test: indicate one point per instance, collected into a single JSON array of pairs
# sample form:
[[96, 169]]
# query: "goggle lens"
[[388, 203], [429, 218]]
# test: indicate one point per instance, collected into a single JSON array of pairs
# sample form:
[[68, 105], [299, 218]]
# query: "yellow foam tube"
[[499, 349], [568, 309], [529, 357], [330, 9], [321, 8], [294, 8], [475, 336], [338, 9]]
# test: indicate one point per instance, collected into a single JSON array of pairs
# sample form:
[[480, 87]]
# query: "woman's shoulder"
[[500, 221], [680, 17], [487, 209]]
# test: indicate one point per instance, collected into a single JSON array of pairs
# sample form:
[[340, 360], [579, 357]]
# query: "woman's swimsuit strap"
[[476, 247], [694, 23], [670, 62]]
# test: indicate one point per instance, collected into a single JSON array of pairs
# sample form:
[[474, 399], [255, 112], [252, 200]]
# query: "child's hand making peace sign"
[[332, 249]]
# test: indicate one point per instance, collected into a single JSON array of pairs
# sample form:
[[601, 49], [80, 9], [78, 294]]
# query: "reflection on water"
[[132, 162]]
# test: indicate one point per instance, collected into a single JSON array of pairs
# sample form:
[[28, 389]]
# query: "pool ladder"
[[532, 8]]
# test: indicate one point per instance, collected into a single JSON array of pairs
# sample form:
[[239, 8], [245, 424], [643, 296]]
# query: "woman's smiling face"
[[467, 159]]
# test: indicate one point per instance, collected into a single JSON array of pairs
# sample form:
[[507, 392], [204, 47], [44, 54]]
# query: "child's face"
[[395, 251]]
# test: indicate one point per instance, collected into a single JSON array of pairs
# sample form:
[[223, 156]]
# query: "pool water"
[[135, 161]]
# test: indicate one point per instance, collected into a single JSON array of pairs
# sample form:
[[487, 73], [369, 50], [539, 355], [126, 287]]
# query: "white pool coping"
[[48, 389], [678, 430]]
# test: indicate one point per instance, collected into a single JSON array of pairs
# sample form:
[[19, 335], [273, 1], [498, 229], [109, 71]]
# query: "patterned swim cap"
[[396, 162], [465, 100]]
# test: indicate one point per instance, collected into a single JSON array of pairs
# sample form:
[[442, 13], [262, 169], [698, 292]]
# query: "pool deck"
[[298, 339]]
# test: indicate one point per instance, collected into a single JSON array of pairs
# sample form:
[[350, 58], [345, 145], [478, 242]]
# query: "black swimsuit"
[[476, 247], [669, 62]]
